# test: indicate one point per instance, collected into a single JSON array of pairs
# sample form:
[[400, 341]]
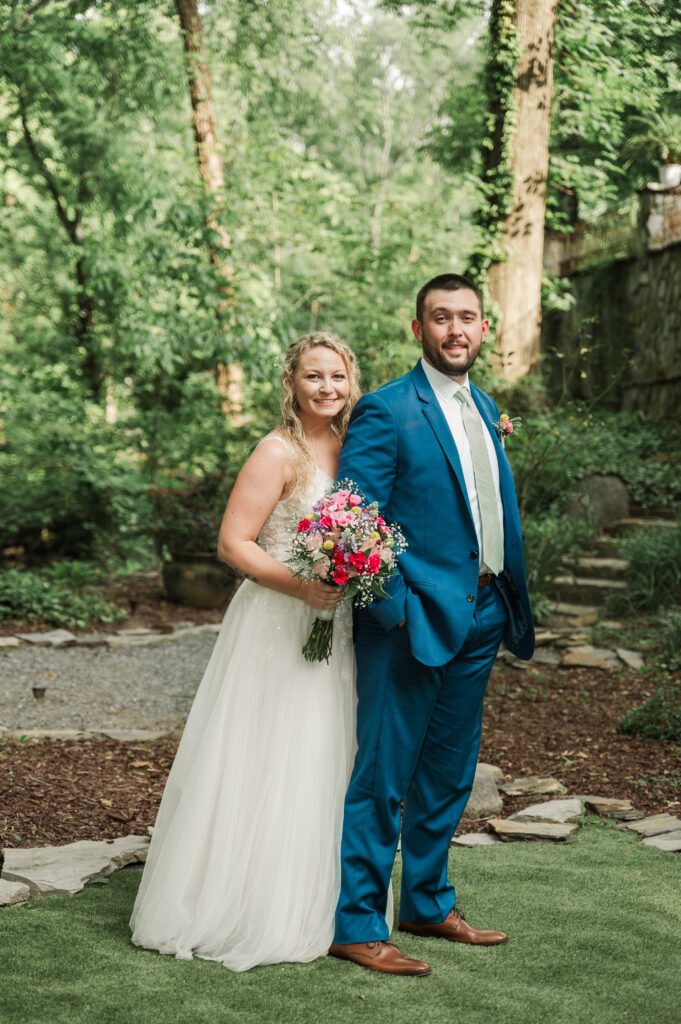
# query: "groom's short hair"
[[447, 283]]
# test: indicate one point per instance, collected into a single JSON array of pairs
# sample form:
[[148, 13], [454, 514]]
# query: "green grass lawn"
[[595, 930]]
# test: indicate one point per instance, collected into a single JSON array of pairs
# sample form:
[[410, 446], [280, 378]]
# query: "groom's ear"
[[416, 328]]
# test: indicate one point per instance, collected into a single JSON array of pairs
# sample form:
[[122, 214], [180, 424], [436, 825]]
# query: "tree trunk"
[[228, 378], [515, 284], [203, 116]]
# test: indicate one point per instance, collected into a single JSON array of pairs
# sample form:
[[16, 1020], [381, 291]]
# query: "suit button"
[[470, 597], [474, 554]]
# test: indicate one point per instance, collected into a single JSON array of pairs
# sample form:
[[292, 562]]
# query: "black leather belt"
[[485, 580]]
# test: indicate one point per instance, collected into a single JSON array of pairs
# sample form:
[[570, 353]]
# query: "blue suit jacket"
[[400, 452]]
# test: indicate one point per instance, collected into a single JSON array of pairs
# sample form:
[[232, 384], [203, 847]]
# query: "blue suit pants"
[[418, 735]]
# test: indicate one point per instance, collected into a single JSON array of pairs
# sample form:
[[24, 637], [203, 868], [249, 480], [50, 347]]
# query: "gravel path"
[[98, 689]]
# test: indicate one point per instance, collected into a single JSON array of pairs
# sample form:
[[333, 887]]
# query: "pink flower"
[[326, 522], [340, 576], [339, 558], [304, 525], [507, 427], [322, 566], [386, 555], [374, 563], [379, 521], [358, 560], [354, 500], [339, 499]]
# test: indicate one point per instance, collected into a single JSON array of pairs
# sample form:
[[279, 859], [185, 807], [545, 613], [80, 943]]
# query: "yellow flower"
[[328, 545], [375, 535], [504, 418]]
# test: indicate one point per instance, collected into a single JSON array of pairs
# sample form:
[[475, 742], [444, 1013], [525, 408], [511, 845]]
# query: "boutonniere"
[[505, 426]]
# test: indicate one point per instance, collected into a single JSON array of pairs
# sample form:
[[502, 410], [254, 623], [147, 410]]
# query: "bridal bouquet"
[[344, 540]]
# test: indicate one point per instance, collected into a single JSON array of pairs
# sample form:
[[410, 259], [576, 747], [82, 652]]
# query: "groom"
[[426, 449]]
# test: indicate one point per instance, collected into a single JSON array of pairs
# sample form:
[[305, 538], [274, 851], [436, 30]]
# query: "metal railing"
[[612, 236]]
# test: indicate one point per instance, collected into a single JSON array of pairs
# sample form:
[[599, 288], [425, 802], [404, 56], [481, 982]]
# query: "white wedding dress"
[[243, 865]]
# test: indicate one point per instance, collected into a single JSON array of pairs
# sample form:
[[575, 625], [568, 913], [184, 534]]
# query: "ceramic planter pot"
[[198, 580], [670, 175]]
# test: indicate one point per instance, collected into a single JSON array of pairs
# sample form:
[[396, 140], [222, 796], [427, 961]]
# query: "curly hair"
[[290, 425]]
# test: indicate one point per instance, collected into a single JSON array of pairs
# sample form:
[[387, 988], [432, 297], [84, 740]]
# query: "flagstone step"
[[604, 546], [566, 615], [583, 588], [597, 567], [619, 526]]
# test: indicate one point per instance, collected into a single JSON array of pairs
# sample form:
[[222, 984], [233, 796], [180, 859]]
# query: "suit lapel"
[[436, 418]]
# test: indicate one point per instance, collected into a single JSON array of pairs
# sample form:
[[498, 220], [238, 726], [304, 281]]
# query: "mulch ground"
[[537, 722]]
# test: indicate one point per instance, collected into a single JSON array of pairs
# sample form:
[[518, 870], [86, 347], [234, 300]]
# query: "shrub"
[[554, 449], [660, 717], [654, 574], [547, 538], [64, 594]]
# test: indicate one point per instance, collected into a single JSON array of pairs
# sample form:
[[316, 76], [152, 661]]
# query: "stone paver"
[[590, 657], [532, 785], [632, 659], [55, 638], [12, 893], [476, 839], [67, 869], [518, 831], [609, 807], [670, 841], [653, 826], [552, 810]]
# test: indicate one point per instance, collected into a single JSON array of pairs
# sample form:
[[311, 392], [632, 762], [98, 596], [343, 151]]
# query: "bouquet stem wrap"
[[320, 640]]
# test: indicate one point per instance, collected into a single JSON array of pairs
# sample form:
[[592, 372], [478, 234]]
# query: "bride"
[[243, 866]]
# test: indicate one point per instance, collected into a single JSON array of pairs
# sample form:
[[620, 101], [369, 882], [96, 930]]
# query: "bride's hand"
[[320, 595]]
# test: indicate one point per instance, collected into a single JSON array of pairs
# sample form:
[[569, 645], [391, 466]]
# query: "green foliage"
[[654, 574], [603, 76], [660, 717], [659, 135], [496, 186], [64, 594], [553, 450]]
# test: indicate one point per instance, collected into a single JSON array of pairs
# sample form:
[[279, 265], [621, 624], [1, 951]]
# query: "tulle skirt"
[[243, 866]]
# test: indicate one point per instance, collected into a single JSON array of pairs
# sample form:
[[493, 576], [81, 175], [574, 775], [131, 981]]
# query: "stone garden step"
[[584, 589], [597, 567], [604, 546], [619, 526], [564, 614]]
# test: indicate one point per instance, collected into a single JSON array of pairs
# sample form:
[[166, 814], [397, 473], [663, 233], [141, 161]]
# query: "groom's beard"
[[437, 358]]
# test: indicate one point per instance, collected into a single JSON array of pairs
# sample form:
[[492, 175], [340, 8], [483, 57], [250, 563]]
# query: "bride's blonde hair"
[[290, 425]]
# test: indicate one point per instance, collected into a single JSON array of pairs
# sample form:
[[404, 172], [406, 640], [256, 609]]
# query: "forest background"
[[356, 152]]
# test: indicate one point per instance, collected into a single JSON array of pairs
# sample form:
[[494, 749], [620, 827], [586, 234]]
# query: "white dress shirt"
[[445, 389]]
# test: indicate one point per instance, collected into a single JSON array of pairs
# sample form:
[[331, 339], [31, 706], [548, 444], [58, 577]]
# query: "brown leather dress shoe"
[[456, 929], [380, 956]]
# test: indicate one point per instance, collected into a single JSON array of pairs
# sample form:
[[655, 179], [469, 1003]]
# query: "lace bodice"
[[277, 531]]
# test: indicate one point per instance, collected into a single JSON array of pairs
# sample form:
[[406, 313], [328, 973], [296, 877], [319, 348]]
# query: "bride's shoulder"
[[281, 442], [273, 455]]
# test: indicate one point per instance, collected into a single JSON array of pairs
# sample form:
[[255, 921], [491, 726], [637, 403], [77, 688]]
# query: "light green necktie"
[[492, 553]]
